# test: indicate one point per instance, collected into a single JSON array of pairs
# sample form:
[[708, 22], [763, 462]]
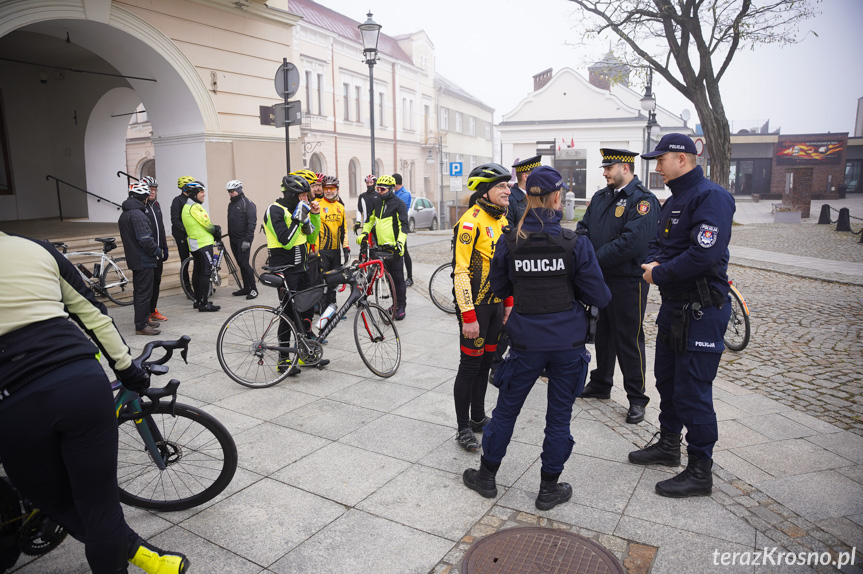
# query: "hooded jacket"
[[242, 217], [139, 245]]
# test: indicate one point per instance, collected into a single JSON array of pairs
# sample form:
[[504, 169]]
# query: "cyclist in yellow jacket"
[[389, 224], [333, 238], [292, 224], [481, 314], [202, 235]]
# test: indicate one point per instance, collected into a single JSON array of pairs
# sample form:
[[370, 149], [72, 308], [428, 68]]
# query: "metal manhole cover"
[[535, 550]]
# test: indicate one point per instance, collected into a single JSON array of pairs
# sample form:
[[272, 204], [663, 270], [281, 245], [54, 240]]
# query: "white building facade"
[[575, 118]]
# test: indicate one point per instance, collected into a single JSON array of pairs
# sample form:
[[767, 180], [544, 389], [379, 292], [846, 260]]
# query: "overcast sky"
[[492, 49]]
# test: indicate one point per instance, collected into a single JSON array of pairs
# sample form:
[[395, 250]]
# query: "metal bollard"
[[824, 218], [569, 214], [843, 223]]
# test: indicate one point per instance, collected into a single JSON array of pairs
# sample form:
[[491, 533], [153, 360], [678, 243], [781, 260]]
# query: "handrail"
[[58, 181], [129, 177]]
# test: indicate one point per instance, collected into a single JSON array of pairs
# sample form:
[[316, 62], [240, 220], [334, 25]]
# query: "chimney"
[[599, 79], [541, 79]]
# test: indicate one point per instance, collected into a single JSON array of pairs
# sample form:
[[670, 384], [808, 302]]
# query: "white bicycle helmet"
[[139, 188], [234, 184]]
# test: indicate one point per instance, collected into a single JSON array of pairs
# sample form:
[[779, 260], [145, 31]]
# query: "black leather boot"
[[481, 480], [665, 452], [552, 493], [695, 480]]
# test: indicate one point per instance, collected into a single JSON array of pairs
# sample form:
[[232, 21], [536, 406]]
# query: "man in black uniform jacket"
[[621, 220]]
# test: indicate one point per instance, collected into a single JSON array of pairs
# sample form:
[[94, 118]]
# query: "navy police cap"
[[672, 143], [546, 178], [613, 156]]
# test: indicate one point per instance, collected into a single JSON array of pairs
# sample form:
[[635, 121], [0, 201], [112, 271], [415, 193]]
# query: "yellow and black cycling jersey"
[[334, 225], [476, 234]]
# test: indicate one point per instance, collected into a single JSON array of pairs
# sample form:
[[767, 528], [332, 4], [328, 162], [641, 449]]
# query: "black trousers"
[[242, 259], [620, 338], [475, 359], [201, 274], [157, 283], [142, 291], [297, 281], [58, 443], [330, 259], [396, 269]]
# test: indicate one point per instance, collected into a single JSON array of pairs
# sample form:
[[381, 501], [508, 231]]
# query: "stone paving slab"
[[817, 495], [386, 435], [790, 457], [430, 500], [328, 418]]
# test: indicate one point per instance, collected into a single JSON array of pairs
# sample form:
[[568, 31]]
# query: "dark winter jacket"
[[178, 230], [157, 225], [242, 218], [621, 224], [138, 243]]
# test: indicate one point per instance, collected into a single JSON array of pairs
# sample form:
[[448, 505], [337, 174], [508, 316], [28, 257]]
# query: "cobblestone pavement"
[[805, 239]]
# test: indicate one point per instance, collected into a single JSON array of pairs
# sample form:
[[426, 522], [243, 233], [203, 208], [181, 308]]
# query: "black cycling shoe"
[[467, 440], [240, 293]]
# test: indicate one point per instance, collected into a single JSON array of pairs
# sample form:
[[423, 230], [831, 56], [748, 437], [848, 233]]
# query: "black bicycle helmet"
[[489, 173], [295, 185], [193, 188]]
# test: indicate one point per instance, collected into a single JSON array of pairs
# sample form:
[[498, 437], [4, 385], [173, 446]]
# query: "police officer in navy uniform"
[[688, 261], [552, 273], [517, 197], [621, 220]]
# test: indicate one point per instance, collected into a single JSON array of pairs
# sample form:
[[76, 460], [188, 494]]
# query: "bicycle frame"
[[149, 433], [357, 297]]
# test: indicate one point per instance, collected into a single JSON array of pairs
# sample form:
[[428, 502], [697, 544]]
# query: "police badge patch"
[[643, 207], [465, 238], [707, 235], [479, 342]]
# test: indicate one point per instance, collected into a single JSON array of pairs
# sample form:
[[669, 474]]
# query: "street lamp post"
[[371, 33], [430, 161], [648, 104]]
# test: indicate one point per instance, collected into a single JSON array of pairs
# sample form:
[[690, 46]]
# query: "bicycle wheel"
[[377, 340], [385, 293], [11, 517], [737, 334], [199, 452], [115, 282], [245, 346], [186, 274], [259, 259], [440, 289]]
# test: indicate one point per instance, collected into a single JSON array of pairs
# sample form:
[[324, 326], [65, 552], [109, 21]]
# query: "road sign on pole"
[[290, 113], [455, 168], [291, 79]]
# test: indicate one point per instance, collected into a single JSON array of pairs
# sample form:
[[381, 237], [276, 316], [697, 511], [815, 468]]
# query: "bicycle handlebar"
[[169, 346]]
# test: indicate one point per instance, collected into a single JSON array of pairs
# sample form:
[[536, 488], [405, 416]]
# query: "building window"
[[346, 96], [458, 122], [444, 119], [148, 169], [317, 163], [320, 88], [359, 95], [308, 92], [656, 181], [472, 126], [407, 114], [852, 174], [426, 119], [487, 130], [379, 167], [381, 109], [354, 177]]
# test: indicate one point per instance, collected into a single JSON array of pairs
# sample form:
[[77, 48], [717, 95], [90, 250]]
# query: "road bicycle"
[[220, 255], [383, 285], [171, 457], [441, 290], [258, 345], [738, 331], [109, 276]]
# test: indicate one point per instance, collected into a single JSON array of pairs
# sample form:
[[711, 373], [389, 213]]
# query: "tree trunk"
[[711, 114]]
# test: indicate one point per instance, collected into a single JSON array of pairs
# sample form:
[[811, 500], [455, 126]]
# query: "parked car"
[[422, 214]]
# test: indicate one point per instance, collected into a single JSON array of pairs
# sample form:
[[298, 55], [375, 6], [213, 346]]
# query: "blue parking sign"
[[455, 168]]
